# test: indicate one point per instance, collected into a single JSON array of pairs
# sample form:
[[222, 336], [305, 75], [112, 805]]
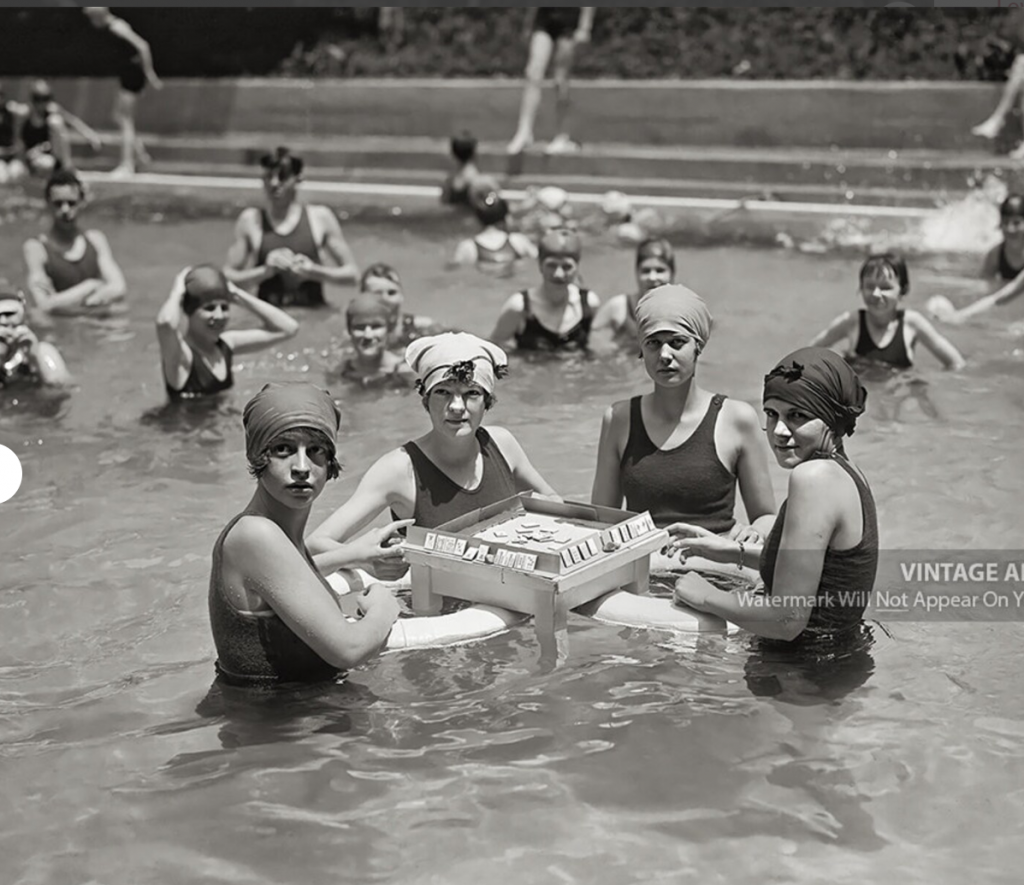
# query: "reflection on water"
[[646, 757]]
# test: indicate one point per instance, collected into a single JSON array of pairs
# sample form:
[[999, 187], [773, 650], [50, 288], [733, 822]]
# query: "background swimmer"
[[655, 266], [289, 249], [23, 357], [494, 248], [370, 363], [71, 271], [44, 133], [195, 347], [459, 182], [383, 281], [882, 331], [557, 314]]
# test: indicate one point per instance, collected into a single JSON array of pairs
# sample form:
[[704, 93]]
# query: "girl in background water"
[[383, 281], [494, 249], [655, 266]]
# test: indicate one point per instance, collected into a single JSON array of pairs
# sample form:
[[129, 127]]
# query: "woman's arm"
[[270, 566], [175, 354], [277, 325], [755, 484], [841, 327], [939, 345], [239, 266], [527, 476], [111, 286], [510, 319], [1002, 295], [812, 516], [607, 488]]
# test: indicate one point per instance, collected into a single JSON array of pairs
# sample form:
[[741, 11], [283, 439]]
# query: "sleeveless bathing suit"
[[685, 484], [847, 576], [893, 354], [127, 62], [557, 21], [284, 289], [201, 381], [535, 336], [505, 254], [439, 499], [66, 273], [1006, 270], [8, 149], [259, 649], [35, 134]]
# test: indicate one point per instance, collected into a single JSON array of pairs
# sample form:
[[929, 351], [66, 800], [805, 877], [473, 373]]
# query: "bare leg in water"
[[1013, 90]]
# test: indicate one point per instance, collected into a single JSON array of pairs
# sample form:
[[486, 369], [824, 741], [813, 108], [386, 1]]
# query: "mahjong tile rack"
[[533, 555]]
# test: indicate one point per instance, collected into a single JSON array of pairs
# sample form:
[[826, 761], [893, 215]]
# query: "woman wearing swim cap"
[[456, 466], [820, 560], [383, 281], [494, 249], [274, 618], [557, 314], [1003, 264], [680, 451], [655, 266], [24, 359], [196, 351], [370, 363]]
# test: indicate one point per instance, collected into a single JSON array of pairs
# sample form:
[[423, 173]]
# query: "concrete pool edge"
[[704, 219]]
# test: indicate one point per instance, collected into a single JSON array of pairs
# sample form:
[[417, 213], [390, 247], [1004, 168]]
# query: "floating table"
[[534, 555]]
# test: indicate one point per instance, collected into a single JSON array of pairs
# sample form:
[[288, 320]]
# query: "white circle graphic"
[[10, 474]]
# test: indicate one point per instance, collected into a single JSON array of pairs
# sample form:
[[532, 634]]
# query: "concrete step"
[[916, 178]]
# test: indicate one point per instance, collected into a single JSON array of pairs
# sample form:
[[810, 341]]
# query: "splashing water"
[[970, 224]]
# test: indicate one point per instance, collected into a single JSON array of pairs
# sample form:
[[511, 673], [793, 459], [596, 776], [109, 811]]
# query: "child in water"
[[494, 249], [882, 331], [370, 363], [655, 266], [383, 281], [23, 357], [557, 314]]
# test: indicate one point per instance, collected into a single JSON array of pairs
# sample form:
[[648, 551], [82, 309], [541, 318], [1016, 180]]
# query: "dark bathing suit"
[[36, 134], [8, 150], [1006, 270], [535, 336], [284, 289], [127, 63], [557, 21], [844, 573], [685, 484], [259, 649], [893, 354], [65, 273], [201, 381], [439, 499]]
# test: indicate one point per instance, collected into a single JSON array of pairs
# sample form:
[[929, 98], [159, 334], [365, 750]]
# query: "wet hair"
[[63, 178], [559, 242], [1012, 207], [382, 271], [656, 247], [492, 209], [463, 146], [284, 160], [893, 262], [258, 466]]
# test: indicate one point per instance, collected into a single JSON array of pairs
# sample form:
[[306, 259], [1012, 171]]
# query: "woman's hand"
[[377, 598], [692, 590], [380, 551], [281, 258], [692, 540], [746, 534]]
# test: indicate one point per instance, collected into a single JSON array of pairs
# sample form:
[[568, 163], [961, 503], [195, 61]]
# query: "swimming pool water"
[[643, 758]]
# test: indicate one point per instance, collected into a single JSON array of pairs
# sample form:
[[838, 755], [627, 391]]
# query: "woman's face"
[[64, 201], [794, 436], [387, 291], [559, 270], [653, 272], [456, 409], [670, 358], [369, 336], [279, 182], [1013, 228], [209, 320], [296, 471]]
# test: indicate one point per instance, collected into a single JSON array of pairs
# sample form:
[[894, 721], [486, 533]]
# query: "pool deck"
[[845, 145]]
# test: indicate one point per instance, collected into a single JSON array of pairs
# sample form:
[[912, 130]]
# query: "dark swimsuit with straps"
[[893, 354], [536, 336], [201, 381]]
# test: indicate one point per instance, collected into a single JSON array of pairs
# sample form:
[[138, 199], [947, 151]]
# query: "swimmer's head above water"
[[281, 170], [1011, 214], [463, 146], [456, 357], [491, 209], [12, 305], [382, 280], [885, 267], [655, 263], [65, 195], [281, 411], [204, 285]]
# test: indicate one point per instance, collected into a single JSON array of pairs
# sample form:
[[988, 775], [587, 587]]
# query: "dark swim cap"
[[284, 161], [204, 284], [1012, 207], [278, 408], [820, 382], [492, 209], [559, 242], [463, 146]]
